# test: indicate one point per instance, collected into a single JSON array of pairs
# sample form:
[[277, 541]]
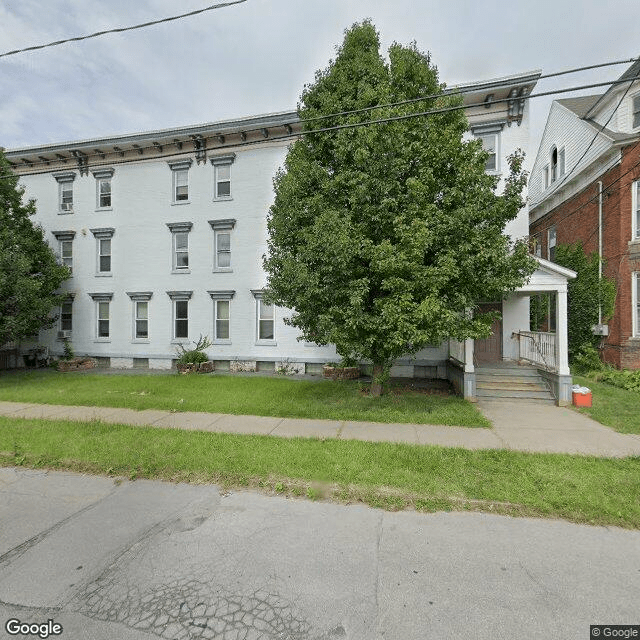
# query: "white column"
[[562, 340], [468, 355]]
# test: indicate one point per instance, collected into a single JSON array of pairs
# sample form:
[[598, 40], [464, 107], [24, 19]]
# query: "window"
[[142, 319], [103, 302], [65, 191], [103, 249], [551, 243], [180, 260], [222, 176], [221, 315], [636, 111], [635, 291], [490, 145], [554, 164], [65, 242], [66, 253], [265, 319], [537, 240], [140, 301], [545, 174], [222, 243], [635, 208], [103, 187], [180, 171], [180, 301], [66, 316], [561, 167]]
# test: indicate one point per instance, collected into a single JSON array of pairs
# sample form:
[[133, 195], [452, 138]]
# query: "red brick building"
[[585, 187]]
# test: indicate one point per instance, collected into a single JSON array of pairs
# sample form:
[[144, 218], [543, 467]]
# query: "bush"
[[629, 380], [193, 357], [587, 359]]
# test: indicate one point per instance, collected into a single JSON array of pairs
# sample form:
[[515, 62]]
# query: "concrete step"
[[550, 401], [507, 371], [512, 393], [514, 385]]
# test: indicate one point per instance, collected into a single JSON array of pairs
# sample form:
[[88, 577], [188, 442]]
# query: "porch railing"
[[456, 350], [538, 347]]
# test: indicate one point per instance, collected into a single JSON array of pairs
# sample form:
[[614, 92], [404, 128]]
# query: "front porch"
[[512, 345]]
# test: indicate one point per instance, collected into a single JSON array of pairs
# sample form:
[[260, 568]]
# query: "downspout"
[[599, 251]]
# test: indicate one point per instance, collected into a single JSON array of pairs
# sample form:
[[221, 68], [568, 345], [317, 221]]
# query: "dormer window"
[[554, 164], [636, 111]]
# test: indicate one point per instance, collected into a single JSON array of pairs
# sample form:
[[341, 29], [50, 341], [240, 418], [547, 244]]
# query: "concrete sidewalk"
[[517, 426]]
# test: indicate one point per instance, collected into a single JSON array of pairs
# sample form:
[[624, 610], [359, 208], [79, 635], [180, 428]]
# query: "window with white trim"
[[103, 187], [636, 111], [222, 176], [65, 247], [222, 231], [222, 316], [140, 300], [553, 173], [180, 246], [490, 145], [103, 238], [65, 191], [180, 181], [635, 210], [635, 307], [551, 243], [103, 318], [180, 303], [66, 315], [545, 176], [561, 162], [141, 319]]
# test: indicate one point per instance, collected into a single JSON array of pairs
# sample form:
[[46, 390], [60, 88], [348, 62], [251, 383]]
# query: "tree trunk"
[[376, 381]]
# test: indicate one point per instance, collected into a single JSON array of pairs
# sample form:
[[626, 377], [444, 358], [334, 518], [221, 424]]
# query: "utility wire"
[[122, 29], [344, 126]]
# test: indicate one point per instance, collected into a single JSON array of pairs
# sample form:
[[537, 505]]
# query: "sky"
[[256, 57]]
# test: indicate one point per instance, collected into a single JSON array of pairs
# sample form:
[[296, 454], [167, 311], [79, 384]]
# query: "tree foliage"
[[585, 293], [29, 271], [382, 236]]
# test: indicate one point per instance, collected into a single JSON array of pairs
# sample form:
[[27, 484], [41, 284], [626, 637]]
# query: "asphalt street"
[[119, 560]]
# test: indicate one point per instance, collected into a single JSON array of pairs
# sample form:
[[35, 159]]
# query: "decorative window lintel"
[[106, 172], [178, 165], [176, 227], [65, 176], [228, 158], [64, 235], [221, 295], [227, 223], [140, 296], [103, 232], [101, 297], [180, 295]]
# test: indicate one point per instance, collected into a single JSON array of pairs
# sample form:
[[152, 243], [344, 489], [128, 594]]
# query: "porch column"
[[562, 339], [468, 356]]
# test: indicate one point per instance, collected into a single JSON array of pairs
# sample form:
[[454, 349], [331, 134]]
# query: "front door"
[[489, 350]]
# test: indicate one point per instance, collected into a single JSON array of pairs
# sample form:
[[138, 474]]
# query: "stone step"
[[511, 379], [507, 371]]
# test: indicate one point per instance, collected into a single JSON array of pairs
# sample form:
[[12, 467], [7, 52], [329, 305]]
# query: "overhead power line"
[[351, 125], [122, 29]]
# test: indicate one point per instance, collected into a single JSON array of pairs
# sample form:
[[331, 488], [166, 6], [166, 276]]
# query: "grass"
[[393, 476], [612, 406], [240, 395]]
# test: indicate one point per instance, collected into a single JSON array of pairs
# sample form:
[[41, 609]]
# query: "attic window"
[[636, 111], [554, 164]]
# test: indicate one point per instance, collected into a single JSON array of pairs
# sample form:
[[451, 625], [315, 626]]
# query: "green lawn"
[[612, 406], [393, 476], [240, 395]]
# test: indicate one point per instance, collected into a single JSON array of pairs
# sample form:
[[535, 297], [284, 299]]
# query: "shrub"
[[629, 380], [587, 359], [195, 355]]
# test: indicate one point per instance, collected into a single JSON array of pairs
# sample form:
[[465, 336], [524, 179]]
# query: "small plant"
[[286, 368], [587, 359], [195, 355], [68, 350]]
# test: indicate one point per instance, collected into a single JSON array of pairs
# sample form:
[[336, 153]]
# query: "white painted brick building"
[[165, 233]]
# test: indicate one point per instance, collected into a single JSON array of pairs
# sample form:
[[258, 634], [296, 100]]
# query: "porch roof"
[[549, 276]]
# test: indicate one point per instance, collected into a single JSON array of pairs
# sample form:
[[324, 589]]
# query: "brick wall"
[[576, 220]]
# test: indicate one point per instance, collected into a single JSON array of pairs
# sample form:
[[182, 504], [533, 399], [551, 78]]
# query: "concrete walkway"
[[519, 426]]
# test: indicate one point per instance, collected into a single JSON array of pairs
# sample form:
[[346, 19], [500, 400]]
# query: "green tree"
[[381, 237], [29, 271], [585, 293]]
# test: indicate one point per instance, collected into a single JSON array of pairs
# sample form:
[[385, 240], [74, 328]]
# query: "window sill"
[[104, 275], [141, 341], [65, 213], [266, 343], [180, 202], [177, 271], [221, 342], [105, 340], [223, 199], [98, 209], [180, 341], [222, 270]]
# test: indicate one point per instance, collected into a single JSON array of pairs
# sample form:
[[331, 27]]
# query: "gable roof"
[[632, 72], [580, 105]]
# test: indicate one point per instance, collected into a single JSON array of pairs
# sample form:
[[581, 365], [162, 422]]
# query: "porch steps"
[[510, 381]]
